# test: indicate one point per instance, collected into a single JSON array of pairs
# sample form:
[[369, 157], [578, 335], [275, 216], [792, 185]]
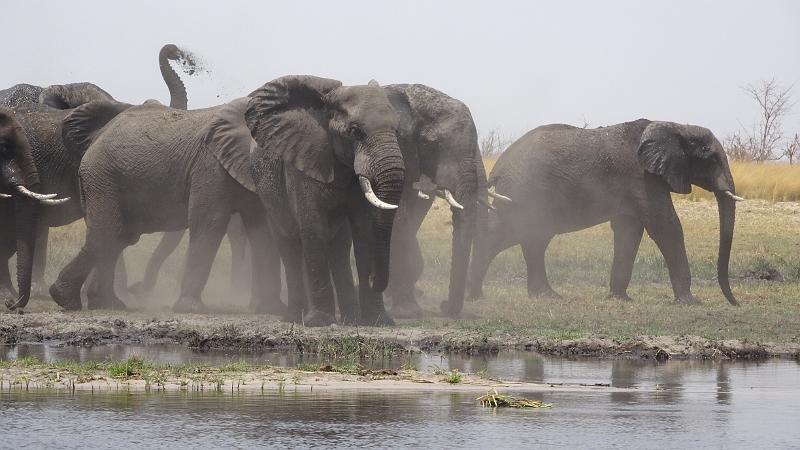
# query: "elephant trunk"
[[378, 160], [25, 209], [177, 90], [727, 217]]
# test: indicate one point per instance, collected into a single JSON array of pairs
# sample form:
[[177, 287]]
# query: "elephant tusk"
[[28, 193], [452, 201], [370, 195], [54, 201], [499, 197], [4, 195], [733, 196], [486, 204], [423, 195]]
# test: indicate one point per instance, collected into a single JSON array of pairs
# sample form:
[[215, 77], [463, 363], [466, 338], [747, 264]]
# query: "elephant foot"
[[376, 319], [66, 297], [450, 309], [620, 296], [271, 307], [140, 289], [546, 293], [113, 304], [189, 305], [317, 318], [687, 299], [409, 309]]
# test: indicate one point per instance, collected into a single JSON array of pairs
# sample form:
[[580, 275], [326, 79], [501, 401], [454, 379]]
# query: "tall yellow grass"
[[772, 182]]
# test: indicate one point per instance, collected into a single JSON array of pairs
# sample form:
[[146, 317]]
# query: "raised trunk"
[[177, 90], [727, 217]]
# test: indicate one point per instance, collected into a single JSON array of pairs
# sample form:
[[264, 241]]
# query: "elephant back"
[[20, 95], [230, 141]]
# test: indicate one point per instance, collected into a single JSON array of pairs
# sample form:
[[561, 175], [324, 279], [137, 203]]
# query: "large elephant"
[[439, 143], [322, 148], [18, 208], [561, 179], [154, 168]]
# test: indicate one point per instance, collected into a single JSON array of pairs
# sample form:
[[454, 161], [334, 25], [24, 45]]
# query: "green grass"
[[454, 377]]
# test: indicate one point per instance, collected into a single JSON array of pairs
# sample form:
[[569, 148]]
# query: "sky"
[[516, 64]]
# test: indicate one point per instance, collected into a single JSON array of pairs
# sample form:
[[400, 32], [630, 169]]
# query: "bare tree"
[[774, 101], [739, 146], [792, 149], [493, 143]]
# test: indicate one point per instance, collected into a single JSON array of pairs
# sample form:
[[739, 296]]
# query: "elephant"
[[440, 149], [19, 208], [20, 95], [321, 148], [558, 179], [152, 168]]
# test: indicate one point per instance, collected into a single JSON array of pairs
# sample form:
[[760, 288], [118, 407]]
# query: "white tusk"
[[4, 195], [499, 197], [370, 195], [452, 201], [733, 196], [28, 193], [423, 195], [54, 201]]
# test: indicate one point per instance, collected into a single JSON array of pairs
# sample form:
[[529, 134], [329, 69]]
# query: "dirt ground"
[[253, 332]]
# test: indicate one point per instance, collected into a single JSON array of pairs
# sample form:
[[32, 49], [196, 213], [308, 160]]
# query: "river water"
[[677, 404]]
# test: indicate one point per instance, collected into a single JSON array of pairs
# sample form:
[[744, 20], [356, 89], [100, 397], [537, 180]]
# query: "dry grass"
[[773, 182]]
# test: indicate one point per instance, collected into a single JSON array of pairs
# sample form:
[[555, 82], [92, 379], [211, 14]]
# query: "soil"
[[253, 332]]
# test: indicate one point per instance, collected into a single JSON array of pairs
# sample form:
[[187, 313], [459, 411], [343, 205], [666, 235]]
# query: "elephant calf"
[[561, 179]]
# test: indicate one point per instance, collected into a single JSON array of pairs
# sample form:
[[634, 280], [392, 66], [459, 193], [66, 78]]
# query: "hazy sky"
[[517, 65]]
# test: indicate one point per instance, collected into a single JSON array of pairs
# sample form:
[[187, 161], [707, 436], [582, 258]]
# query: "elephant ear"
[[286, 118], [661, 152], [80, 127], [230, 141]]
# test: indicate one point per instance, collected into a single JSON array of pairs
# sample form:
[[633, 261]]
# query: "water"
[[678, 404]]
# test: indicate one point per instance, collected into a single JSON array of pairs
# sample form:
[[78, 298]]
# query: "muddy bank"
[[249, 332]]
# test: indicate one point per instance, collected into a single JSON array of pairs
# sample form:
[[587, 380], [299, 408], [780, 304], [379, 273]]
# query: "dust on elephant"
[[154, 168], [19, 208], [327, 163], [562, 179], [442, 158]]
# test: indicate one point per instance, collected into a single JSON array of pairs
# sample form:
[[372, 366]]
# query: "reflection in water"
[[685, 404]]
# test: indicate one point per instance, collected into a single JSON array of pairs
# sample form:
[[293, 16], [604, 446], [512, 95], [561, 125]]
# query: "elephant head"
[[72, 95], [683, 155], [18, 180], [84, 123], [321, 127]]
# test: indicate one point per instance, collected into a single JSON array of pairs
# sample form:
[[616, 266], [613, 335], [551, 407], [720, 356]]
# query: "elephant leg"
[[104, 295], [205, 237], [291, 251], [318, 279], [497, 241], [407, 262], [342, 275], [38, 286], [266, 282], [533, 252], [237, 238], [666, 230], [628, 232], [66, 290], [7, 291], [166, 246]]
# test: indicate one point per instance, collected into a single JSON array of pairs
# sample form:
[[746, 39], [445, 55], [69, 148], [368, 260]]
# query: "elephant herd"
[[307, 170]]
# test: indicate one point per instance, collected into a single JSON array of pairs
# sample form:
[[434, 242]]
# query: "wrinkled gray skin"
[[170, 240], [439, 143], [19, 213], [562, 179], [154, 168], [57, 168], [315, 139]]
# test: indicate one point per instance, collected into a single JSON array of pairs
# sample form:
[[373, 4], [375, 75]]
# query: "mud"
[[250, 332]]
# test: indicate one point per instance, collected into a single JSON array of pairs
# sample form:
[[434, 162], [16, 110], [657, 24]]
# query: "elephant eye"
[[354, 130]]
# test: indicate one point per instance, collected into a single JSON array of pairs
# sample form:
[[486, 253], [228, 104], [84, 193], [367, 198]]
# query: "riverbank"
[[135, 374], [249, 332]]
